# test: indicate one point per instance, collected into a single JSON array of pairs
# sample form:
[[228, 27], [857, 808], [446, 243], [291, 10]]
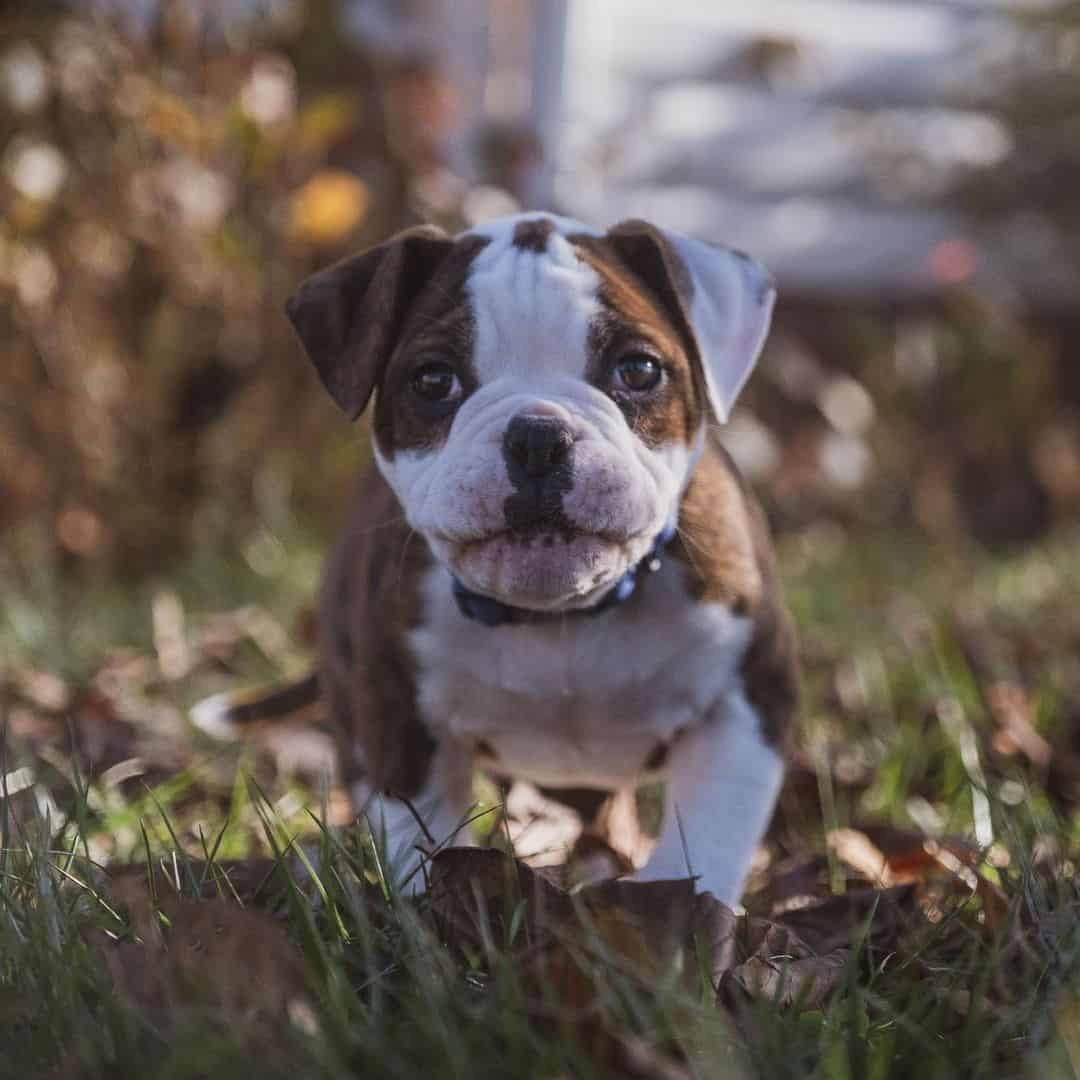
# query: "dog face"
[[541, 389]]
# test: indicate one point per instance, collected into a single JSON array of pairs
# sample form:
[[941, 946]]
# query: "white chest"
[[581, 701]]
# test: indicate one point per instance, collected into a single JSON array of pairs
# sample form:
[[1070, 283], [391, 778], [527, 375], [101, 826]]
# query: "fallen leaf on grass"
[[887, 857], [860, 853], [790, 883], [878, 916], [1014, 711], [214, 955], [484, 895], [786, 980], [42, 689], [569, 946], [479, 892]]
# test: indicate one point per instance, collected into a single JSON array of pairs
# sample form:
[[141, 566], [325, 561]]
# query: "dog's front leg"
[[722, 781], [409, 827]]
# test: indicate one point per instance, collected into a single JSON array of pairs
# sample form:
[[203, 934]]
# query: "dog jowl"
[[552, 566]]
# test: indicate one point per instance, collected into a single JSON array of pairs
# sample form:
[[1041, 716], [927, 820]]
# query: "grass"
[[932, 682]]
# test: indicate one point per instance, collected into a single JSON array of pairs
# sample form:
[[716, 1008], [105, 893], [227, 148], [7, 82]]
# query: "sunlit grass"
[[902, 645], [386, 992]]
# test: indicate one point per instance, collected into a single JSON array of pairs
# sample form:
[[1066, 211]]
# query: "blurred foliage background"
[[166, 181], [164, 187]]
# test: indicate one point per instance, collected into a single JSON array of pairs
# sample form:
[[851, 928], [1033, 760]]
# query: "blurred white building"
[[823, 135]]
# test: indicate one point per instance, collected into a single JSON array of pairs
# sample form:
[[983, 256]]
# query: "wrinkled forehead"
[[527, 296], [533, 298]]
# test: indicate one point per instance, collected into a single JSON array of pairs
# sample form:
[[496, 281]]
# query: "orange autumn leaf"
[[328, 207]]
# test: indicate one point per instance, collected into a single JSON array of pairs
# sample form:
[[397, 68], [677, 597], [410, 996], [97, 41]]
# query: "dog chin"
[[544, 571]]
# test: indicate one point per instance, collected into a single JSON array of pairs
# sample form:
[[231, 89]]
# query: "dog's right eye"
[[435, 381]]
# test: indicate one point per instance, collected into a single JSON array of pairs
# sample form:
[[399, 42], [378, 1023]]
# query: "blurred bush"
[[163, 186], [957, 413], [958, 416]]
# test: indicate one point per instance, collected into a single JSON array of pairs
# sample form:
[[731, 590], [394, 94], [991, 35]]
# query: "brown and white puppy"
[[545, 405]]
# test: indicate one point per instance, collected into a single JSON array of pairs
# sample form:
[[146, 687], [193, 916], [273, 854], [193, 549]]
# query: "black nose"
[[537, 444]]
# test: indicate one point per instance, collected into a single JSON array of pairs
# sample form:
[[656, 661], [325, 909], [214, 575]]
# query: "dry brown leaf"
[[753, 957], [642, 926], [568, 941], [792, 882], [860, 853], [787, 980], [207, 954], [1012, 708], [882, 914], [888, 856], [475, 889], [41, 689]]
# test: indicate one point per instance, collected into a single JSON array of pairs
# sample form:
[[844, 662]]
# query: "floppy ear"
[[720, 300], [348, 316]]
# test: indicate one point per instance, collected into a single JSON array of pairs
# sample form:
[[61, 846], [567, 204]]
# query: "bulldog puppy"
[[552, 569]]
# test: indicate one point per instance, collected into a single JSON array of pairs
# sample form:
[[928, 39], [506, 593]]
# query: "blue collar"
[[492, 612]]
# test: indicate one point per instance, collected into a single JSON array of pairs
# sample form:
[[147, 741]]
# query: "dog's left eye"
[[638, 372], [435, 381]]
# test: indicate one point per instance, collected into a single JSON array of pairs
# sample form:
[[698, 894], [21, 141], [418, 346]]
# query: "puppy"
[[552, 570]]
